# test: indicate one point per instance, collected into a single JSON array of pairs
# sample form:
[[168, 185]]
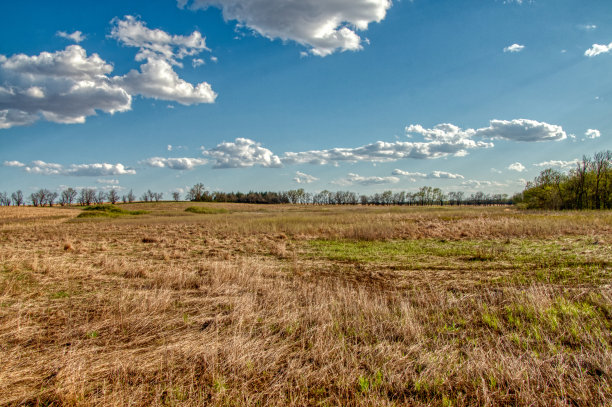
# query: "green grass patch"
[[205, 210], [107, 211]]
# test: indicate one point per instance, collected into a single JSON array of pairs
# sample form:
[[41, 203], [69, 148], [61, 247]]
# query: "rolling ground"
[[149, 304]]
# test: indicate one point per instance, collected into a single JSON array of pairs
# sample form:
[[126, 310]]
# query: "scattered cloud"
[[155, 43], [558, 164], [240, 153], [183, 163], [521, 130], [197, 62], [302, 178], [13, 164], [156, 79], [588, 27], [76, 36], [496, 171], [473, 183], [108, 181], [514, 48], [322, 26], [77, 170], [592, 133], [431, 175], [518, 167], [63, 87], [352, 179], [598, 49]]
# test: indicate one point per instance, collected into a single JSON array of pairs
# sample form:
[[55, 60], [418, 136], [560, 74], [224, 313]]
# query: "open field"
[[293, 305]]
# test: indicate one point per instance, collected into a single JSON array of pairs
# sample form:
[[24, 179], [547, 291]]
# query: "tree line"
[[588, 186], [424, 196]]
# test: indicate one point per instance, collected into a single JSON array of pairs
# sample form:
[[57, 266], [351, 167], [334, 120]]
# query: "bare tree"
[[113, 197], [158, 196], [68, 196], [131, 197], [17, 197], [176, 196], [101, 197], [51, 197], [5, 200], [87, 196]]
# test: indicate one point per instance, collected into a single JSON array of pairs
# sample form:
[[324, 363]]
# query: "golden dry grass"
[[291, 305]]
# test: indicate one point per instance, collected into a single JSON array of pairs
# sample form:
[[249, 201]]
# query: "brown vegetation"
[[296, 305]]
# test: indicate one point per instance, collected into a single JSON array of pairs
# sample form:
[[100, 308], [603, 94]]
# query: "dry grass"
[[289, 305]]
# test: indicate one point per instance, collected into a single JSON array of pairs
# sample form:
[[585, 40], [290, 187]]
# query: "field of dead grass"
[[305, 305]]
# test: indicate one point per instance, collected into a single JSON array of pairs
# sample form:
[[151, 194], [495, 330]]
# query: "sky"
[[360, 95]]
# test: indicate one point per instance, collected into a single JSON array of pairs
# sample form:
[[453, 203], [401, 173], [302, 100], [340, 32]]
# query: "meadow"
[[234, 304]]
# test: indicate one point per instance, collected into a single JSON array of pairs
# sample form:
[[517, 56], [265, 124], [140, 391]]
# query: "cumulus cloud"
[[558, 164], [108, 181], [302, 178], [592, 133], [64, 87], [352, 179], [521, 130], [155, 43], [67, 86], [474, 183], [514, 48], [183, 163], [431, 175], [518, 167], [598, 49], [78, 170], [322, 26], [156, 79], [76, 36], [13, 164], [242, 152]]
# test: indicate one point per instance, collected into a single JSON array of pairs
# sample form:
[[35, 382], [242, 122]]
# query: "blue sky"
[[364, 95]]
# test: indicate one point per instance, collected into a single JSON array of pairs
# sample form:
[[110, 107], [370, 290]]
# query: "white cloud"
[[473, 183], [197, 62], [557, 163], [431, 175], [518, 167], [597, 49], [360, 180], [592, 133], [169, 148], [87, 170], [302, 178], [183, 163], [13, 164], [156, 44], [323, 26], [243, 152], [514, 48], [108, 181], [588, 27], [76, 36], [156, 79], [521, 130], [64, 87]]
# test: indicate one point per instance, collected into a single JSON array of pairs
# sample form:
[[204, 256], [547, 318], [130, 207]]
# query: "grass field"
[[167, 304]]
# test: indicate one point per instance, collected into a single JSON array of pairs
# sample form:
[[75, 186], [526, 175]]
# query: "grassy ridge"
[[107, 211]]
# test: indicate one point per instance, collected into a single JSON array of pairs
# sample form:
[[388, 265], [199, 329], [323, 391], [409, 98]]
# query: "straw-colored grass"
[[295, 305]]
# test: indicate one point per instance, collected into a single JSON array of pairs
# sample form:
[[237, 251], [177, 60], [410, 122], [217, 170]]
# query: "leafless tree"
[[176, 196], [113, 197], [131, 197], [67, 197], [5, 200], [101, 197], [17, 197]]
